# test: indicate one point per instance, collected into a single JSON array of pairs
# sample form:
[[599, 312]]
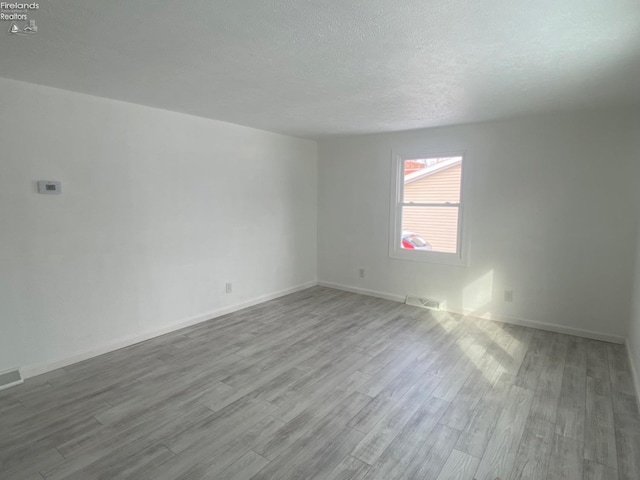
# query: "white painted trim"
[[12, 384], [634, 372], [34, 370], [550, 327], [363, 291]]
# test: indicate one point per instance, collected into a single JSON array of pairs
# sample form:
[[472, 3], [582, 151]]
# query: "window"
[[426, 209]]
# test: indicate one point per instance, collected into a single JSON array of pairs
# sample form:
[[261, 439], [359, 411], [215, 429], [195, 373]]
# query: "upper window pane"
[[432, 180]]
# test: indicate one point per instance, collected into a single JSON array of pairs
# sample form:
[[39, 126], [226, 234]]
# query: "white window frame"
[[461, 257]]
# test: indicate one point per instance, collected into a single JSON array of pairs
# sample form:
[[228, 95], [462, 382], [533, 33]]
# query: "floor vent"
[[9, 379], [428, 303]]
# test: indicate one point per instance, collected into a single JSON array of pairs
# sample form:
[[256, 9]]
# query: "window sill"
[[440, 258]]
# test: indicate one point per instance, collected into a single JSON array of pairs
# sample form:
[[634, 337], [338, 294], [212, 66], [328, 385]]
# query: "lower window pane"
[[430, 228]]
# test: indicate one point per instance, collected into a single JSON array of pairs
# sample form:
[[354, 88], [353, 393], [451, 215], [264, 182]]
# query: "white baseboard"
[[363, 291], [38, 369], [12, 384], [551, 327], [34, 370], [634, 372]]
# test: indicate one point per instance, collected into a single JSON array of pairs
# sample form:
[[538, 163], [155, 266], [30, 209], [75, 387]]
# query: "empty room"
[[342, 240]]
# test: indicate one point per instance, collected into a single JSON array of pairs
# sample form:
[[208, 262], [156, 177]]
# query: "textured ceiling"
[[334, 67]]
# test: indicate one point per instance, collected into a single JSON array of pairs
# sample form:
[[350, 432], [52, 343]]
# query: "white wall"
[[633, 339], [158, 211], [548, 209]]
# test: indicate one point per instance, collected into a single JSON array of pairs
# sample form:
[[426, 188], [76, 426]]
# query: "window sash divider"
[[413, 204]]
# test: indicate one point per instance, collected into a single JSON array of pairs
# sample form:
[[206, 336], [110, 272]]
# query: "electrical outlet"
[[228, 287], [508, 296], [362, 273]]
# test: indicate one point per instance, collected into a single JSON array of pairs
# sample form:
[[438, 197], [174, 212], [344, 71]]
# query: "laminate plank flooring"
[[329, 385]]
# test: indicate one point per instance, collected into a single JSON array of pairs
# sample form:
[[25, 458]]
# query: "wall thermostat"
[[48, 187]]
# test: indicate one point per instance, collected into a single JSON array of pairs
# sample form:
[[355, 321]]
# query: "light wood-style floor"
[[324, 384]]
